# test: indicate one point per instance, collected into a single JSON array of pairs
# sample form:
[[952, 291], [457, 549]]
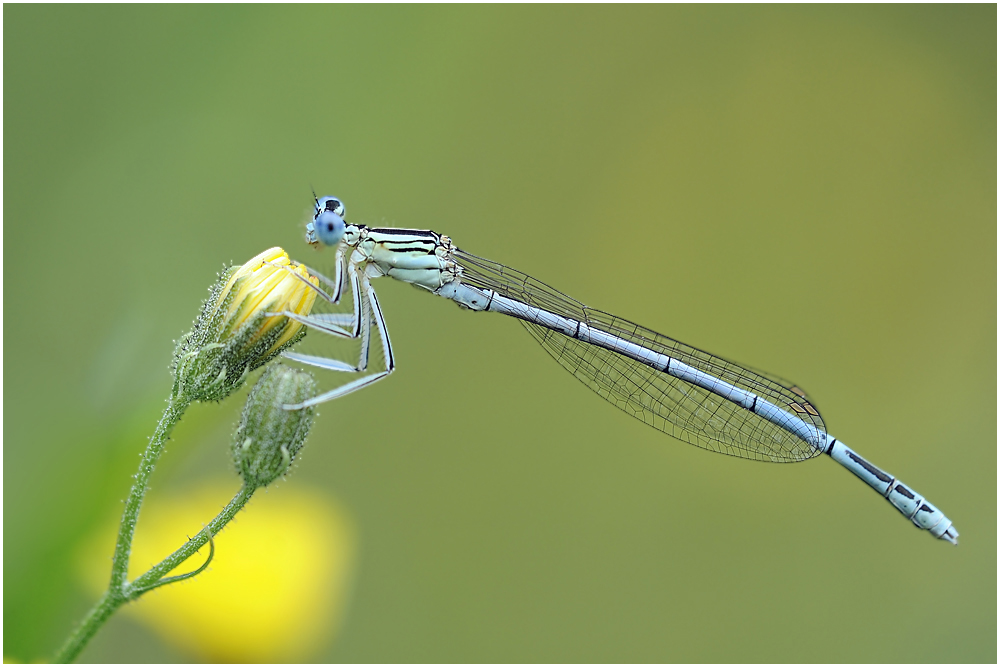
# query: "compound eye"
[[329, 227], [331, 204]]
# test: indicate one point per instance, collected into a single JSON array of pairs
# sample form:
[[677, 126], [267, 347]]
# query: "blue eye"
[[328, 221], [329, 227], [331, 204]]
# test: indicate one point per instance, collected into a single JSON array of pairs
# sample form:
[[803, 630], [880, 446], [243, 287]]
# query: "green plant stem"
[[116, 594], [114, 598], [95, 618], [152, 578], [130, 517]]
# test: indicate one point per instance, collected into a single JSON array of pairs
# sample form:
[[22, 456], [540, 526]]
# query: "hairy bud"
[[269, 436], [238, 329]]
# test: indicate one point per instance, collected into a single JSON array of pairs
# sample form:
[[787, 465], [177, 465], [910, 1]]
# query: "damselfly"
[[680, 390]]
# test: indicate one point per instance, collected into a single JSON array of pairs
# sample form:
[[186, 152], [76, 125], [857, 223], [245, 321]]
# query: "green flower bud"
[[234, 334], [269, 436]]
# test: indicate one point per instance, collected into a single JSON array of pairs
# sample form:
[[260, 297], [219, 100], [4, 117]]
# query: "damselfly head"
[[328, 222]]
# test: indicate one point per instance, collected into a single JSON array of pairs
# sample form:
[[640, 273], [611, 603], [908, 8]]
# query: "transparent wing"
[[669, 404]]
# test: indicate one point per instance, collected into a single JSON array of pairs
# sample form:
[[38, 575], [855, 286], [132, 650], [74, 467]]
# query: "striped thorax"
[[416, 256]]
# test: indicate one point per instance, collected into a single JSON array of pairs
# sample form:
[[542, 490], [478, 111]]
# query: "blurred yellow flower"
[[276, 590], [261, 284]]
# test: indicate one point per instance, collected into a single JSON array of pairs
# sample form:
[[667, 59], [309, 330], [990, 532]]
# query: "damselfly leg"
[[355, 325]]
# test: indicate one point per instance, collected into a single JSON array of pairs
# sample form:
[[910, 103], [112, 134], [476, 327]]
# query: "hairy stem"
[[117, 593], [130, 517], [115, 598], [153, 576], [97, 616]]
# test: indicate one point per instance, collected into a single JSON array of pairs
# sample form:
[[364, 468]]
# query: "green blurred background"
[[808, 190]]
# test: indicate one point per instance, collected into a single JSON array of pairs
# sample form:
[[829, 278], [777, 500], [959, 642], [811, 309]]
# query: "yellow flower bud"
[[239, 329], [262, 285]]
